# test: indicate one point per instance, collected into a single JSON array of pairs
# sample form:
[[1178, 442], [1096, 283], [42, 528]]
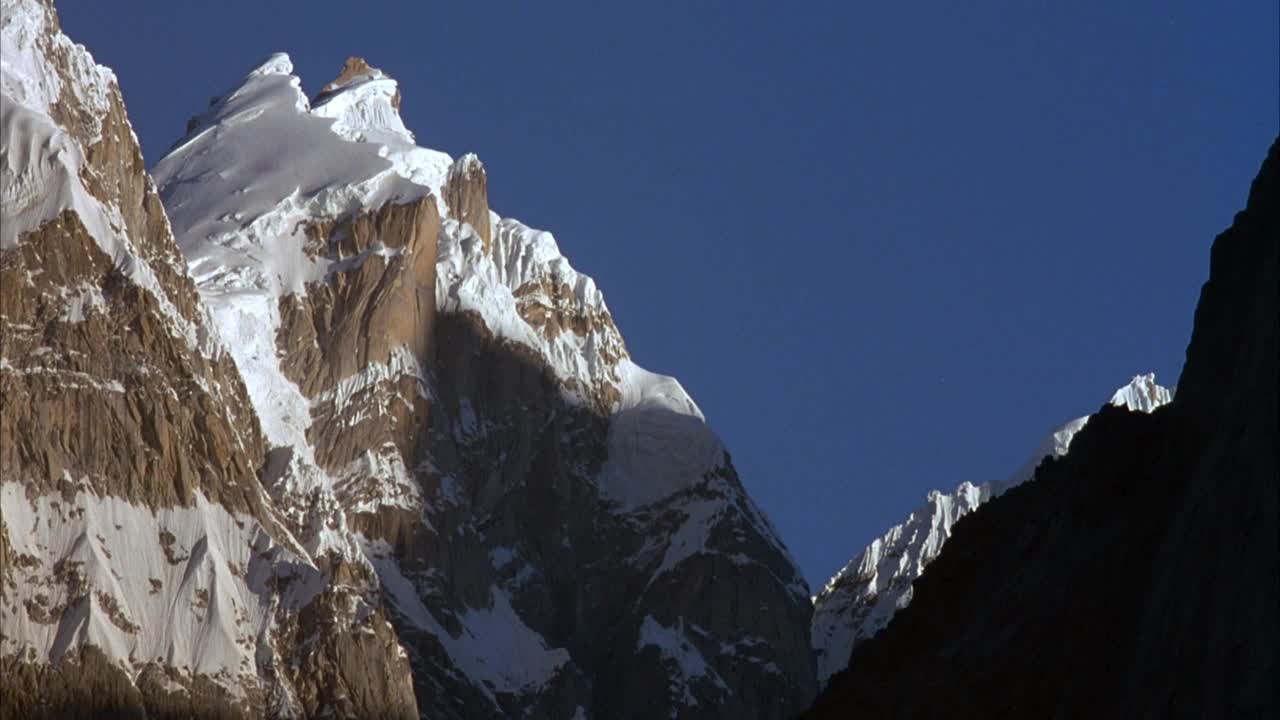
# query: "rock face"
[[324, 435], [554, 530], [861, 599], [145, 570], [467, 194], [1139, 575]]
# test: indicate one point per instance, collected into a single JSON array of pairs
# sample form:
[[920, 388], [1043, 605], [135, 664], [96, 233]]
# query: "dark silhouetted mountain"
[[1138, 575]]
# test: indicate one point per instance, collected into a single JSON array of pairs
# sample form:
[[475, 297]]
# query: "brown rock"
[[466, 192], [353, 69], [379, 300]]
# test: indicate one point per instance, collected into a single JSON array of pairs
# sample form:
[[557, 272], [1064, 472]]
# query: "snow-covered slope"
[[51, 115], [860, 600], [42, 161]]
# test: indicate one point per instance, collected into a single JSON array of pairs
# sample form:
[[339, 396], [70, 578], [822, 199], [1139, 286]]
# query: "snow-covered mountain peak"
[[1142, 394], [277, 64], [425, 435], [261, 166], [263, 172], [366, 327]]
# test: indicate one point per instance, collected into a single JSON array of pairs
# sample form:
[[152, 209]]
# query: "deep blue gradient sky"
[[886, 251]]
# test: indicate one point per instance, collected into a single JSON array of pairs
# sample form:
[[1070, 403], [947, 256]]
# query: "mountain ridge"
[[1134, 577], [479, 506], [861, 599]]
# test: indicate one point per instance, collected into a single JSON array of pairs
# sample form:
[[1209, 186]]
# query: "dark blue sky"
[[886, 251]]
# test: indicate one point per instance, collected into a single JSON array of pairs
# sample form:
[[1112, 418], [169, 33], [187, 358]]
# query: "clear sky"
[[886, 250]]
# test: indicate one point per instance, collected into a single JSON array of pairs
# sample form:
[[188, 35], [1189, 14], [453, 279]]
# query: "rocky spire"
[[467, 195]]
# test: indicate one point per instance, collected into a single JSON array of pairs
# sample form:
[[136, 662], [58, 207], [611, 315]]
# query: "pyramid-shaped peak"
[[277, 64]]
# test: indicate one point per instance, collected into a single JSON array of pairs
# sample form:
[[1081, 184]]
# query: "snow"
[[257, 169], [470, 280], [504, 653], [698, 519], [67, 379], [400, 364], [658, 441], [80, 301], [41, 166], [27, 79], [862, 598], [395, 487], [501, 556], [362, 110], [206, 614], [495, 649], [261, 165], [1142, 394], [248, 323], [680, 655]]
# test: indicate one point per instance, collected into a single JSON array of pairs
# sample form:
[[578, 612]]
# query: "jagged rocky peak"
[[145, 570], [450, 404], [860, 600], [382, 449]]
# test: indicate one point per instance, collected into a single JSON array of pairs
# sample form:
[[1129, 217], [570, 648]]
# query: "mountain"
[[1136, 576], [145, 567], [303, 428], [862, 598]]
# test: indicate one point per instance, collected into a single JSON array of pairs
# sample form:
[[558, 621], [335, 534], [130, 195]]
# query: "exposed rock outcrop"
[[105, 372], [467, 194], [146, 572]]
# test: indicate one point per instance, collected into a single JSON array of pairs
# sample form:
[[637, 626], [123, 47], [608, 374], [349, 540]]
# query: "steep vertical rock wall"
[[143, 569]]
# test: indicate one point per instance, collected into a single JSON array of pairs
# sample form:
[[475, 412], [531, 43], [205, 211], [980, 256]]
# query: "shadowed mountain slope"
[[1138, 575]]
